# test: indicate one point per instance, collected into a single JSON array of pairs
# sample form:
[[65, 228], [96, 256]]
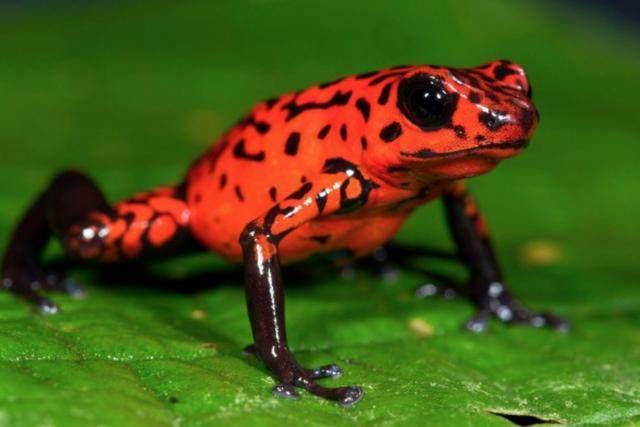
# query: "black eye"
[[424, 101]]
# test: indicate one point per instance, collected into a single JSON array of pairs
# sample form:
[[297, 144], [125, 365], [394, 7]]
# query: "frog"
[[334, 168]]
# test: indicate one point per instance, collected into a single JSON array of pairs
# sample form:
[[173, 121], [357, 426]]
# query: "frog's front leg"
[[488, 290], [264, 291]]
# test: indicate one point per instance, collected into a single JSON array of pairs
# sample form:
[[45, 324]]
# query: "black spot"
[[480, 138], [363, 143], [271, 102], [301, 192], [364, 107], [460, 131], [291, 146], [384, 95], [384, 77], [293, 109], [239, 193], [262, 127], [223, 180], [474, 97], [303, 179], [240, 152], [390, 132], [273, 193], [492, 96], [502, 71], [493, 120], [343, 132], [321, 201], [366, 75], [322, 239], [331, 83], [324, 131]]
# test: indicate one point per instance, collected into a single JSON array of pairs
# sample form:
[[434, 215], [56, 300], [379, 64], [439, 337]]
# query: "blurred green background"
[[133, 91]]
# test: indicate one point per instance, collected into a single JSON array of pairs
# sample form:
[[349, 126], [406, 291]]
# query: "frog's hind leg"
[[74, 209]]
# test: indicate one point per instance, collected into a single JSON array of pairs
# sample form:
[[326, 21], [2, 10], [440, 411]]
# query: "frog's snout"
[[510, 74]]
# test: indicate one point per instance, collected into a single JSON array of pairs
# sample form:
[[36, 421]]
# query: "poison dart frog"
[[336, 167]]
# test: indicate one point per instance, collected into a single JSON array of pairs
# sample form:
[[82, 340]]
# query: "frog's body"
[[336, 167]]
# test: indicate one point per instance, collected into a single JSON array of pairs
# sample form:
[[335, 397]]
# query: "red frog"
[[336, 167]]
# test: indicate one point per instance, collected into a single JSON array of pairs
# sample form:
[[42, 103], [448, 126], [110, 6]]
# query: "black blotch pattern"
[[239, 152], [291, 146], [384, 94], [324, 132], [475, 97], [366, 75], [349, 204], [331, 83], [363, 143], [239, 194], [460, 131], [391, 132], [262, 127], [384, 77], [223, 181], [301, 192], [343, 132], [502, 71], [294, 109], [363, 106], [322, 239], [271, 102], [480, 138], [273, 193], [303, 179]]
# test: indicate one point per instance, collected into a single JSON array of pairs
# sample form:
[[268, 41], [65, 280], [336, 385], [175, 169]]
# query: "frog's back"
[[279, 146]]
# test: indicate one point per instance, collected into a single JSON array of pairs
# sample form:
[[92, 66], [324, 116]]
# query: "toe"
[[286, 391], [327, 371], [351, 396]]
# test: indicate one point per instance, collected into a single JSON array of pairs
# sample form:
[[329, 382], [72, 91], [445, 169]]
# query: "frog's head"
[[450, 123]]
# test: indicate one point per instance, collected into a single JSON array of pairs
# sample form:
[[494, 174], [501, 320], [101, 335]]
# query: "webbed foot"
[[30, 282], [291, 377]]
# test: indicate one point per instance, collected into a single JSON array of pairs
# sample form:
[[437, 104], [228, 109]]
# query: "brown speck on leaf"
[[420, 328], [210, 346], [198, 314], [537, 253]]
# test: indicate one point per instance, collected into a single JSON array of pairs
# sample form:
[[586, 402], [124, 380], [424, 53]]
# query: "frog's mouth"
[[494, 149]]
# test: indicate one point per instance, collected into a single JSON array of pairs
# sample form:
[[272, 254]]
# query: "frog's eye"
[[425, 102]]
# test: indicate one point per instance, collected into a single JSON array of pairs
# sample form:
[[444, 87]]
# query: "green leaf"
[[133, 92]]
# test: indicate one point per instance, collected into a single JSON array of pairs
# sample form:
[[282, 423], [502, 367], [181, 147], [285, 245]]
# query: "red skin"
[[218, 216], [255, 166]]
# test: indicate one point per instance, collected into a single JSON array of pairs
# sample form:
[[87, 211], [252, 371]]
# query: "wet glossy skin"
[[250, 169], [336, 167]]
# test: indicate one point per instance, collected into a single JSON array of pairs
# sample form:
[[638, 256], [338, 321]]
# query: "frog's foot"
[[298, 377], [497, 302], [441, 286], [30, 283], [292, 376]]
